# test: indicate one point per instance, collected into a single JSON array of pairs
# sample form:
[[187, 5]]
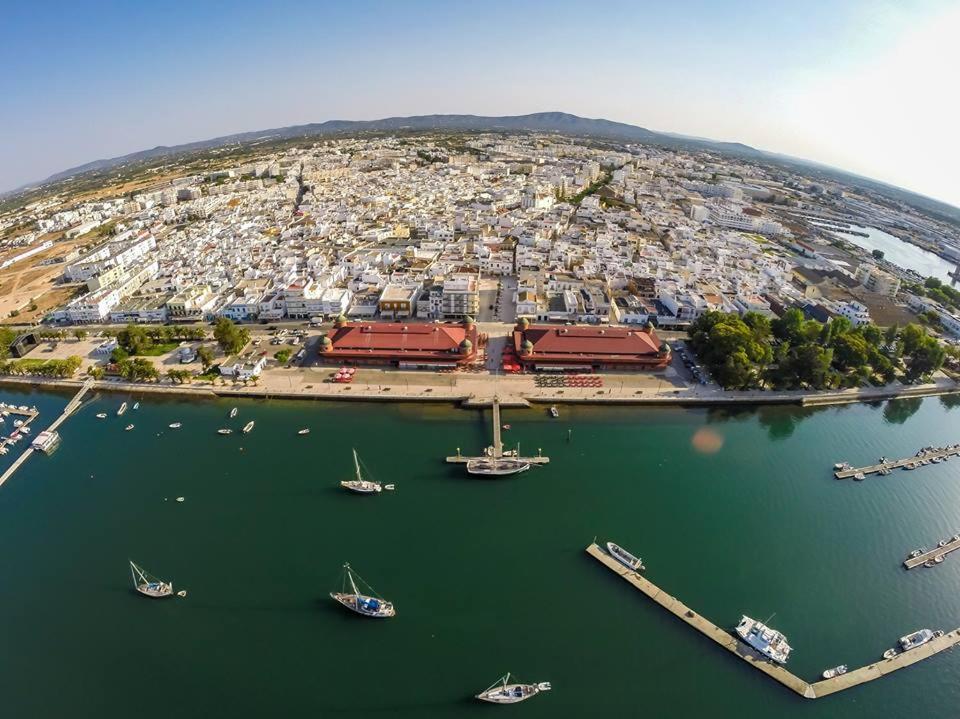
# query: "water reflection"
[[780, 421], [950, 400], [899, 411]]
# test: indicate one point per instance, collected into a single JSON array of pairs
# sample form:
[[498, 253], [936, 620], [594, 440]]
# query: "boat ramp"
[[753, 658], [922, 458]]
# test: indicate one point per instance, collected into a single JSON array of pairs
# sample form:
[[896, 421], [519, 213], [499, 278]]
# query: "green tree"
[[926, 359], [890, 336], [788, 326], [231, 338], [282, 356], [80, 334], [205, 355], [850, 351], [912, 336]]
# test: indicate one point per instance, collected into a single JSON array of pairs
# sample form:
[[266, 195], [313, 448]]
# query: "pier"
[[951, 451], [951, 545], [496, 449], [732, 643], [70, 408]]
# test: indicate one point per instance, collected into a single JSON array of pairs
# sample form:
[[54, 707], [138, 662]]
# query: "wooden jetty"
[[951, 545], [951, 451], [496, 449], [753, 658], [70, 408]]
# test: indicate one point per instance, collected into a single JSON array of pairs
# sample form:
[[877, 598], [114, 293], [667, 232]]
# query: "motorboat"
[[101, 415], [304, 431], [859, 476], [224, 431], [503, 691], [890, 654], [369, 604], [624, 557], [233, 413], [175, 425], [834, 671], [915, 639], [938, 559], [248, 427], [148, 585], [769, 642], [123, 408], [128, 428], [554, 412], [136, 405]]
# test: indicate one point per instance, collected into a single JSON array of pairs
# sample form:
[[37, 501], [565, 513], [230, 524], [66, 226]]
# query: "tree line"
[[791, 352]]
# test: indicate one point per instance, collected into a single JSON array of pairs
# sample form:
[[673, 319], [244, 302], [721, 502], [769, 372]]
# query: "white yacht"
[[496, 466], [917, 638], [360, 485], [149, 585], [624, 557], [769, 642], [369, 605], [503, 691]]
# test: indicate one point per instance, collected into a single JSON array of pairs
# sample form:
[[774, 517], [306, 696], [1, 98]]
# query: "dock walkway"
[[951, 546], [951, 451], [775, 671], [496, 449], [70, 408]]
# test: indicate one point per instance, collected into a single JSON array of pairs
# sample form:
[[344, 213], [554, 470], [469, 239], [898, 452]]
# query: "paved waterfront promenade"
[[753, 658], [479, 389]]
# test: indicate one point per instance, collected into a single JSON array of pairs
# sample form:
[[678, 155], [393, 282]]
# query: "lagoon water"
[[487, 576], [901, 253]]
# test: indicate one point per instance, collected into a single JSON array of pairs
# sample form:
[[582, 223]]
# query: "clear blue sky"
[[865, 86]]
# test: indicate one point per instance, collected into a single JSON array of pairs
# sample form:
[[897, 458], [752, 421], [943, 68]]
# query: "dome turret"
[[526, 347]]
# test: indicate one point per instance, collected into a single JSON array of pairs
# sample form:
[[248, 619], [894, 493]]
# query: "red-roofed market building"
[[413, 345], [585, 348]]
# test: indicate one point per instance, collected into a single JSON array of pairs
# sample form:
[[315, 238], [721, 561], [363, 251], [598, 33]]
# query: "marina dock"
[[730, 642], [913, 562], [496, 449], [69, 409], [951, 451]]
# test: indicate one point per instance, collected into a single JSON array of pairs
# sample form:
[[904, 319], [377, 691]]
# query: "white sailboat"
[[369, 605], [360, 485], [503, 692], [148, 585]]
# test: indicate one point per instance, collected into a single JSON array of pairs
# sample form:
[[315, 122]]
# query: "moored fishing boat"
[[248, 427], [369, 604], [359, 484], [503, 691], [834, 671], [624, 557], [148, 585]]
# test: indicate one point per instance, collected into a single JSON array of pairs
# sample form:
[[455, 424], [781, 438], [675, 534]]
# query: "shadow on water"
[[779, 421], [950, 401], [898, 411]]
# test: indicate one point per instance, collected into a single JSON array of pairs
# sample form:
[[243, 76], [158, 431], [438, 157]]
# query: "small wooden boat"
[[369, 604], [148, 585], [503, 692]]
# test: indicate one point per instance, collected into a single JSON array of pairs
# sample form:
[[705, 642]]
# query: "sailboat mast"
[[356, 463], [353, 584]]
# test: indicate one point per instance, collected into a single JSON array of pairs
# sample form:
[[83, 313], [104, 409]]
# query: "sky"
[[865, 86]]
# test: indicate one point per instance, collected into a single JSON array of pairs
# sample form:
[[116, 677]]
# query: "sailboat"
[[233, 413], [360, 485], [123, 408], [503, 692], [148, 585], [369, 605]]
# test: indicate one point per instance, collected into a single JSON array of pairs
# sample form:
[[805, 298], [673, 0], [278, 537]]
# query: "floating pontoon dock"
[[952, 450], [496, 449], [773, 670], [951, 546]]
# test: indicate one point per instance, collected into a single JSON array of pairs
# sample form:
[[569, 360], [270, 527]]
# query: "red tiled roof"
[[399, 341], [583, 343]]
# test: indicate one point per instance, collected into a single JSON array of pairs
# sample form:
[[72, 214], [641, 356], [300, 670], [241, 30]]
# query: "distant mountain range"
[[560, 122]]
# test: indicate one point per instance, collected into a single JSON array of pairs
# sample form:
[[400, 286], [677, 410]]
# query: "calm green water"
[[487, 576]]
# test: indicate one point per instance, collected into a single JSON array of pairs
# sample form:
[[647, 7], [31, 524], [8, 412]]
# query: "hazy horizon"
[[859, 86]]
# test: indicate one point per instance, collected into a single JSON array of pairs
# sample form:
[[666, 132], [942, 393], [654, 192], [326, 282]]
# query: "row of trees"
[[792, 352], [37, 368], [136, 339], [936, 290]]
